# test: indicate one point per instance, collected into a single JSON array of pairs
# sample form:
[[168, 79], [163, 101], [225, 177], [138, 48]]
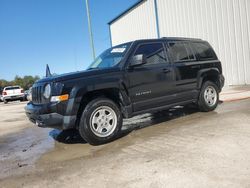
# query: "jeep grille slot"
[[37, 95]]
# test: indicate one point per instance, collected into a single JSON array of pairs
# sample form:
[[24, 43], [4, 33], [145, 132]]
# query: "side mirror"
[[138, 60]]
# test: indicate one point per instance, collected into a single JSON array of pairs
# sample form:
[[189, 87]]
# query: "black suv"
[[127, 80]]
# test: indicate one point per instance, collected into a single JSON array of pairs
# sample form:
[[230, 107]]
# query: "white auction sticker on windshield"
[[118, 50]]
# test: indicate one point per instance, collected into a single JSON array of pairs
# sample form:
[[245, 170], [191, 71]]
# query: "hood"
[[79, 74]]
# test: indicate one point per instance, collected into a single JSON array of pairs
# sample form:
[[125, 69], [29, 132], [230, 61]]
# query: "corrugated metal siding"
[[138, 23], [224, 23]]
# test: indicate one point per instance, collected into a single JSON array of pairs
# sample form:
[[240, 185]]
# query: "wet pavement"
[[176, 148]]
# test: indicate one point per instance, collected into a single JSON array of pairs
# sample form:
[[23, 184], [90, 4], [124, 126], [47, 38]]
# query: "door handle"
[[165, 70]]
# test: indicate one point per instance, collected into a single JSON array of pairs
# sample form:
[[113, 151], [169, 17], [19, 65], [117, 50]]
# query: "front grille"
[[37, 95]]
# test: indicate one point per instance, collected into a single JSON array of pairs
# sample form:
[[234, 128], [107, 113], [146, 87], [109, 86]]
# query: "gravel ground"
[[176, 148]]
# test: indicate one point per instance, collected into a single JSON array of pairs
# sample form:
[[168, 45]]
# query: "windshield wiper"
[[92, 68]]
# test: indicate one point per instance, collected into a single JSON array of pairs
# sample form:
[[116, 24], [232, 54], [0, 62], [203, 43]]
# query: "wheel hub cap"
[[103, 121], [210, 96]]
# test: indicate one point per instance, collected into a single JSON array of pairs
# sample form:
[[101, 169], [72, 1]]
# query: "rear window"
[[11, 88], [180, 51], [204, 51]]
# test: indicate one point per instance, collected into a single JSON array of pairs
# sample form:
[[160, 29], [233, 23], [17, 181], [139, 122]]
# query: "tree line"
[[25, 82]]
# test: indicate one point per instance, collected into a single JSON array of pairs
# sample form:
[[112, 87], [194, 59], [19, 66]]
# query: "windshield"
[[110, 57]]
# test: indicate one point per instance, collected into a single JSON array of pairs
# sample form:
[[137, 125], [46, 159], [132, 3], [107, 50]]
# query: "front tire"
[[101, 121], [209, 97]]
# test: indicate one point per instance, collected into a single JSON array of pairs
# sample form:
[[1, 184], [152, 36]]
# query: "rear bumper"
[[14, 97], [45, 116], [222, 81]]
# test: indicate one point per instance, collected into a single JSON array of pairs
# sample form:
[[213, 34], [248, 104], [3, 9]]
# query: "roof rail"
[[180, 38]]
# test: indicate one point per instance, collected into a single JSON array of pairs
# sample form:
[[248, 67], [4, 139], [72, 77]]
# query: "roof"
[[168, 39], [126, 11], [164, 39], [11, 86]]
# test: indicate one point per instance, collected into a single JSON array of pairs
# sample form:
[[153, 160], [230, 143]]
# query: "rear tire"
[[101, 121], [209, 97], [5, 101]]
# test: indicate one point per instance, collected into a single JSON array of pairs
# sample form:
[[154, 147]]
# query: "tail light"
[[4, 93], [22, 91]]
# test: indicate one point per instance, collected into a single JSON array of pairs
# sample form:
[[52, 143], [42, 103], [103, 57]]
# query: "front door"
[[151, 84]]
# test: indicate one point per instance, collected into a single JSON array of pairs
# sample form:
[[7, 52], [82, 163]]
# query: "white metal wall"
[[138, 23], [225, 24]]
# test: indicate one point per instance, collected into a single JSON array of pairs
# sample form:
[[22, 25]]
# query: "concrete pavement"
[[176, 148], [234, 93]]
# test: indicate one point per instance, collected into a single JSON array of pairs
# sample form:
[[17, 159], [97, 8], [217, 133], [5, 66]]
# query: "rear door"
[[150, 85], [186, 69]]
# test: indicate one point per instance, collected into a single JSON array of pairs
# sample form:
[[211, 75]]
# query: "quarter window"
[[204, 51], [180, 51], [154, 53]]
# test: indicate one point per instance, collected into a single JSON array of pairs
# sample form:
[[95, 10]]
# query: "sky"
[[34, 33]]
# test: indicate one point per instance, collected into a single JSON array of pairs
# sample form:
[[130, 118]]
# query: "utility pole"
[[90, 30]]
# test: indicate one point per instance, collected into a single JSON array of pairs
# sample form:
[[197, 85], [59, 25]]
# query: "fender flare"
[[204, 73], [78, 92]]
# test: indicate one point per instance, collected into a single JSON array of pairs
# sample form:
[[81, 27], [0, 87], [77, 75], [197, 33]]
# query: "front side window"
[[110, 57], [154, 53], [180, 51]]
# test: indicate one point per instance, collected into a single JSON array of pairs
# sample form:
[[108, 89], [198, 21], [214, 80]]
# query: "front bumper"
[[46, 116]]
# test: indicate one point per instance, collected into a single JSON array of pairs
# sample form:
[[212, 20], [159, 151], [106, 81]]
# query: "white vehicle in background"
[[12, 93]]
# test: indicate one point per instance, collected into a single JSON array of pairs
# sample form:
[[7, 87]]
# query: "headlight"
[[29, 97], [47, 91], [59, 98]]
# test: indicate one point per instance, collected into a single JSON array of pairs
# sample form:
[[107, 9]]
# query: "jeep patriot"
[[126, 80]]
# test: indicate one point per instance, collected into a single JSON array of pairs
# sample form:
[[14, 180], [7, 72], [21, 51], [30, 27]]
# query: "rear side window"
[[204, 51], [154, 53], [180, 51]]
